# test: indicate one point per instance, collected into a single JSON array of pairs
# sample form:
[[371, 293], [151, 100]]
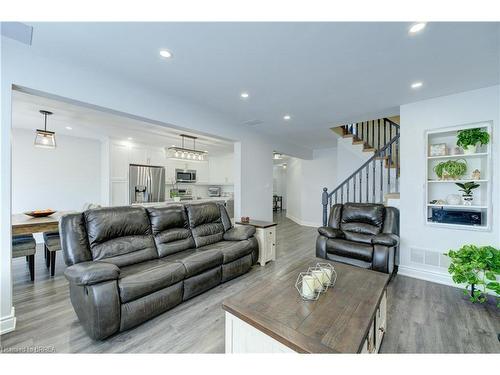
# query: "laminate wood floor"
[[423, 317]]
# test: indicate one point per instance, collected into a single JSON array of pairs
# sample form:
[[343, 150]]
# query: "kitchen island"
[[227, 201]]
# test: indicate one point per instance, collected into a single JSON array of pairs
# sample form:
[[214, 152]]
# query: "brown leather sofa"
[[129, 264], [362, 234]]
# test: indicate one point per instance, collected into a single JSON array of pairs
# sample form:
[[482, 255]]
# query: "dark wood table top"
[[337, 322], [258, 223]]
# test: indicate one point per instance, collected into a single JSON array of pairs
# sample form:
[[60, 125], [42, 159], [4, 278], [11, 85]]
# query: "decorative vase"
[[467, 199], [177, 199], [453, 199], [471, 149]]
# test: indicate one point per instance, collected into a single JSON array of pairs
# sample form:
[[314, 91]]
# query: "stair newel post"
[[324, 202]]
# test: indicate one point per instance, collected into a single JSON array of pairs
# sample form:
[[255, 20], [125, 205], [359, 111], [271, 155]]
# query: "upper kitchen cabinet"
[[119, 161], [221, 170], [156, 157]]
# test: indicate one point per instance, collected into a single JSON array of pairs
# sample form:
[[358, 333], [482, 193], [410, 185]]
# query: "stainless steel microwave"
[[185, 175]]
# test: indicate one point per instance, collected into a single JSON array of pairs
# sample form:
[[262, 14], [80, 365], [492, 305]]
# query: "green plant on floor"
[[451, 168], [467, 187], [478, 268], [471, 137]]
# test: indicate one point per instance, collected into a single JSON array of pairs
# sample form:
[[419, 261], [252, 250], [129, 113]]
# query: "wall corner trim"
[[8, 323]]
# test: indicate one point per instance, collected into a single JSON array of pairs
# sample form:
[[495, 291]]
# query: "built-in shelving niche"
[[436, 189]]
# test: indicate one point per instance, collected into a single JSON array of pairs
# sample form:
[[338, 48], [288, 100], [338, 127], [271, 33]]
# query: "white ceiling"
[[90, 123], [321, 73]]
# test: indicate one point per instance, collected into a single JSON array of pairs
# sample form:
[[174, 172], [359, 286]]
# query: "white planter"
[[467, 199], [470, 149]]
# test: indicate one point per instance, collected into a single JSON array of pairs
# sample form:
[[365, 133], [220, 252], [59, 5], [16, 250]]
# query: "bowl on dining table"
[[40, 213]]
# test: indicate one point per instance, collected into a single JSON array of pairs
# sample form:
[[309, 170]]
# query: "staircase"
[[377, 179]]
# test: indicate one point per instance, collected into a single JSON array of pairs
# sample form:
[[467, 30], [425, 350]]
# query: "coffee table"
[[271, 316]]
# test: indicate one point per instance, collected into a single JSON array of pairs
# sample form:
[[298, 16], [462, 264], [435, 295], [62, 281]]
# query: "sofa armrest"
[[90, 273], [241, 233], [331, 232], [386, 239]]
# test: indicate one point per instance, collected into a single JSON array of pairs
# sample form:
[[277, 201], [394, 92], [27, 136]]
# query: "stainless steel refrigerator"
[[146, 183]]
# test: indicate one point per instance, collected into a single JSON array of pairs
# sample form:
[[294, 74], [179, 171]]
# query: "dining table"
[[25, 224]]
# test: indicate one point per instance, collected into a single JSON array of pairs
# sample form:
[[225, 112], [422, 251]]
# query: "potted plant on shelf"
[[478, 268], [468, 139], [451, 169], [467, 188]]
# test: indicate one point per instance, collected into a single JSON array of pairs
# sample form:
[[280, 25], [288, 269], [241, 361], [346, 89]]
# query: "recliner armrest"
[[89, 273], [386, 239], [331, 232], [241, 233]]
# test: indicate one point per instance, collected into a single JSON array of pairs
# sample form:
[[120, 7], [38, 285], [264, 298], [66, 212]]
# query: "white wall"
[[305, 182], [459, 109], [62, 179]]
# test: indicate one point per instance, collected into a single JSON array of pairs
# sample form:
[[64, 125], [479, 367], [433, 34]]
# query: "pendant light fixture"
[[45, 138], [184, 153]]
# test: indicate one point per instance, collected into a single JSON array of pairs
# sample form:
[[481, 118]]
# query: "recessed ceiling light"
[[165, 53], [415, 28], [244, 95], [287, 117], [69, 127], [129, 138], [416, 85]]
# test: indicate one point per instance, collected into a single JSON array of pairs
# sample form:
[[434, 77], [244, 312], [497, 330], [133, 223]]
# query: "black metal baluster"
[[385, 132], [373, 133], [360, 186], [367, 181], [354, 189], [397, 163], [362, 130], [378, 134], [389, 170], [382, 177], [347, 196], [373, 180], [342, 195]]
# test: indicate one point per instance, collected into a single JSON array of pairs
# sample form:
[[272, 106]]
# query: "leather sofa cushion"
[[372, 214], [104, 224], [386, 239], [170, 229], [330, 232], [240, 233], [231, 250], [120, 235], [350, 249], [206, 223], [74, 239], [89, 273], [196, 261], [124, 251], [149, 280]]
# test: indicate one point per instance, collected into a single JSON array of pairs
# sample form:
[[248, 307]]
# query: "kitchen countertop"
[[188, 201]]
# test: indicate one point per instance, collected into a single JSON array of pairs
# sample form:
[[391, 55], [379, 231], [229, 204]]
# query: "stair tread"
[[369, 149], [358, 142], [348, 136]]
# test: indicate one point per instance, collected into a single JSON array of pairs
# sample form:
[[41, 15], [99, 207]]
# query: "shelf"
[[460, 156], [458, 226], [456, 206], [453, 181]]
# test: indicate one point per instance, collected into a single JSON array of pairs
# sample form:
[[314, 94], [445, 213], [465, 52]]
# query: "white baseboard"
[[303, 223], [427, 275], [8, 323]]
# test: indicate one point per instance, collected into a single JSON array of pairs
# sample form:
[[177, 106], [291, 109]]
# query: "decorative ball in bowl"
[[40, 213]]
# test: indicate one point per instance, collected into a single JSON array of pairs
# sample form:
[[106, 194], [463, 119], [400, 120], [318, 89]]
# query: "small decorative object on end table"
[[265, 232]]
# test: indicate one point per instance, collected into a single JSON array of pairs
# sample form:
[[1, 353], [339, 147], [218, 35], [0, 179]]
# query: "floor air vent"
[[429, 257]]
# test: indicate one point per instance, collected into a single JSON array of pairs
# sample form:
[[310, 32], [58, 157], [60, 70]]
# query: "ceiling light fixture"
[[45, 138], [165, 54], [416, 85], [69, 128], [287, 117], [129, 138], [277, 156], [182, 152], [244, 95], [415, 28]]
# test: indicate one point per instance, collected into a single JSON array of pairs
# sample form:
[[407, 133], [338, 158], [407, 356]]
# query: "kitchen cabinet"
[[220, 170], [119, 161]]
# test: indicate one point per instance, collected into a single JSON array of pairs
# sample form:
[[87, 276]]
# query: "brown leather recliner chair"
[[361, 234]]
